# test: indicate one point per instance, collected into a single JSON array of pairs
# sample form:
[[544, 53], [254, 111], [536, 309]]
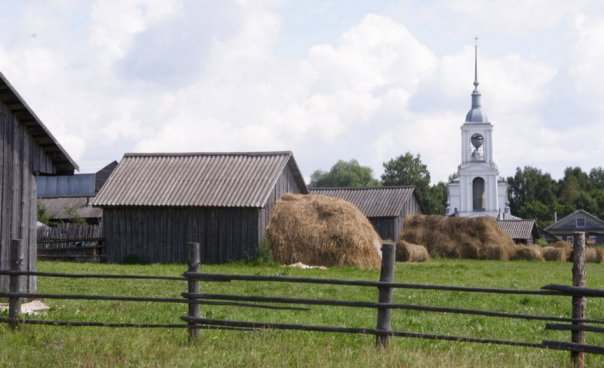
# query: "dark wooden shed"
[[27, 149], [385, 207], [153, 204], [521, 231]]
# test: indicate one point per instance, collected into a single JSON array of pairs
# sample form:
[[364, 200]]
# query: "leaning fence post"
[[579, 302], [385, 294], [194, 308], [15, 285]]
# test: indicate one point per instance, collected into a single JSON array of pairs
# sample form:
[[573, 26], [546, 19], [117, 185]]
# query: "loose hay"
[[458, 237], [323, 231], [408, 252], [527, 253]]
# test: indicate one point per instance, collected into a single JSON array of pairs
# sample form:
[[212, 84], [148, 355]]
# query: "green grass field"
[[49, 346]]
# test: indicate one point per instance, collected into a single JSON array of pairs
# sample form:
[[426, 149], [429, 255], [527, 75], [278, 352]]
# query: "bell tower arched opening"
[[478, 194]]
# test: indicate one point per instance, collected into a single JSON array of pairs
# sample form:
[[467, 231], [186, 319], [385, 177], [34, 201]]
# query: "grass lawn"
[[48, 346]]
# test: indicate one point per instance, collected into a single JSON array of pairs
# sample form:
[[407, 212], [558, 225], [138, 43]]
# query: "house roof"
[[519, 229], [372, 201], [41, 135], [58, 208], [564, 222], [234, 179]]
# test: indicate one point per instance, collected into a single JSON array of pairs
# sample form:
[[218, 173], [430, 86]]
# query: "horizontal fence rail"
[[219, 277]]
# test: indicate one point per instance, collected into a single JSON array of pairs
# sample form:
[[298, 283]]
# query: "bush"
[[263, 256]]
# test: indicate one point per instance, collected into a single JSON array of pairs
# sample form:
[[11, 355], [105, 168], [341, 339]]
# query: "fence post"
[[385, 294], [579, 302], [15, 284], [194, 308]]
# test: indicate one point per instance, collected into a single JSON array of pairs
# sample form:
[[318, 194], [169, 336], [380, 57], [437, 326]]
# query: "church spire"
[[476, 64], [475, 115]]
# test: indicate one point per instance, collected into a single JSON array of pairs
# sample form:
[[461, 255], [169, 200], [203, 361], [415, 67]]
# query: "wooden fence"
[[81, 242], [384, 306]]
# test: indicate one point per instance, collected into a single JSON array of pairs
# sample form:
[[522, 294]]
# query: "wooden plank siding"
[[161, 234], [20, 159]]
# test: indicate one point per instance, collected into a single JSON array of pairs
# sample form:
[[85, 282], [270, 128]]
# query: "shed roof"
[[58, 207], [519, 229], [231, 179], [41, 135], [372, 201]]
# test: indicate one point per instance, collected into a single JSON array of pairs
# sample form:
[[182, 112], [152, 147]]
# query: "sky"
[[327, 80]]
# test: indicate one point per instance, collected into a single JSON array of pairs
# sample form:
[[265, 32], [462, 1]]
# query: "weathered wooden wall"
[[387, 227], [161, 234], [20, 158], [390, 227]]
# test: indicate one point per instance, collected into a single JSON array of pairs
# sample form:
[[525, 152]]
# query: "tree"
[[532, 194], [344, 174], [409, 170]]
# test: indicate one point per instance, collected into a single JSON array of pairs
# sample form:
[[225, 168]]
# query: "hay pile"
[[527, 253], [323, 231], [459, 237], [408, 252], [562, 254], [594, 255]]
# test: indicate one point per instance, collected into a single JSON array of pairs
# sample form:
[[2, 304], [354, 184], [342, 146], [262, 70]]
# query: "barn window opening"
[[478, 194], [580, 222]]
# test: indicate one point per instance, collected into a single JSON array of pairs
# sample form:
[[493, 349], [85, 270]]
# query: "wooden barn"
[[580, 220], [385, 207], [521, 231], [153, 204], [27, 149]]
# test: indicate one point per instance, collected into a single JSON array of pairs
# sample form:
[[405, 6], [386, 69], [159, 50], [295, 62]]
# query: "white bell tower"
[[477, 190]]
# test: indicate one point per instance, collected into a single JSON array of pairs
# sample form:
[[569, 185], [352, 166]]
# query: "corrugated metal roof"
[[66, 185], [41, 135], [372, 201], [517, 229], [196, 179], [58, 207]]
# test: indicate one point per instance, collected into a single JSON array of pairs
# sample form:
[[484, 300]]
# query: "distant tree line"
[[403, 170], [532, 193]]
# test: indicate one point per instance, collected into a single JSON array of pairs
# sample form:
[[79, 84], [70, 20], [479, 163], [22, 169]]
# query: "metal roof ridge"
[[177, 154]]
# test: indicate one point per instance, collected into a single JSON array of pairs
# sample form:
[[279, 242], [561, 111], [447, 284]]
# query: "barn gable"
[[27, 148], [385, 207], [153, 204]]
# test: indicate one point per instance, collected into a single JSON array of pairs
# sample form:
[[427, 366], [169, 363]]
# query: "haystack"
[[409, 252], [458, 237], [594, 255], [562, 254], [323, 231], [563, 244], [527, 253]]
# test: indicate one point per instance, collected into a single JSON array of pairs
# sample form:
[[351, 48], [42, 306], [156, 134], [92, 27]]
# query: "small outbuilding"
[[582, 221], [27, 149], [155, 203], [385, 207], [521, 231]]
